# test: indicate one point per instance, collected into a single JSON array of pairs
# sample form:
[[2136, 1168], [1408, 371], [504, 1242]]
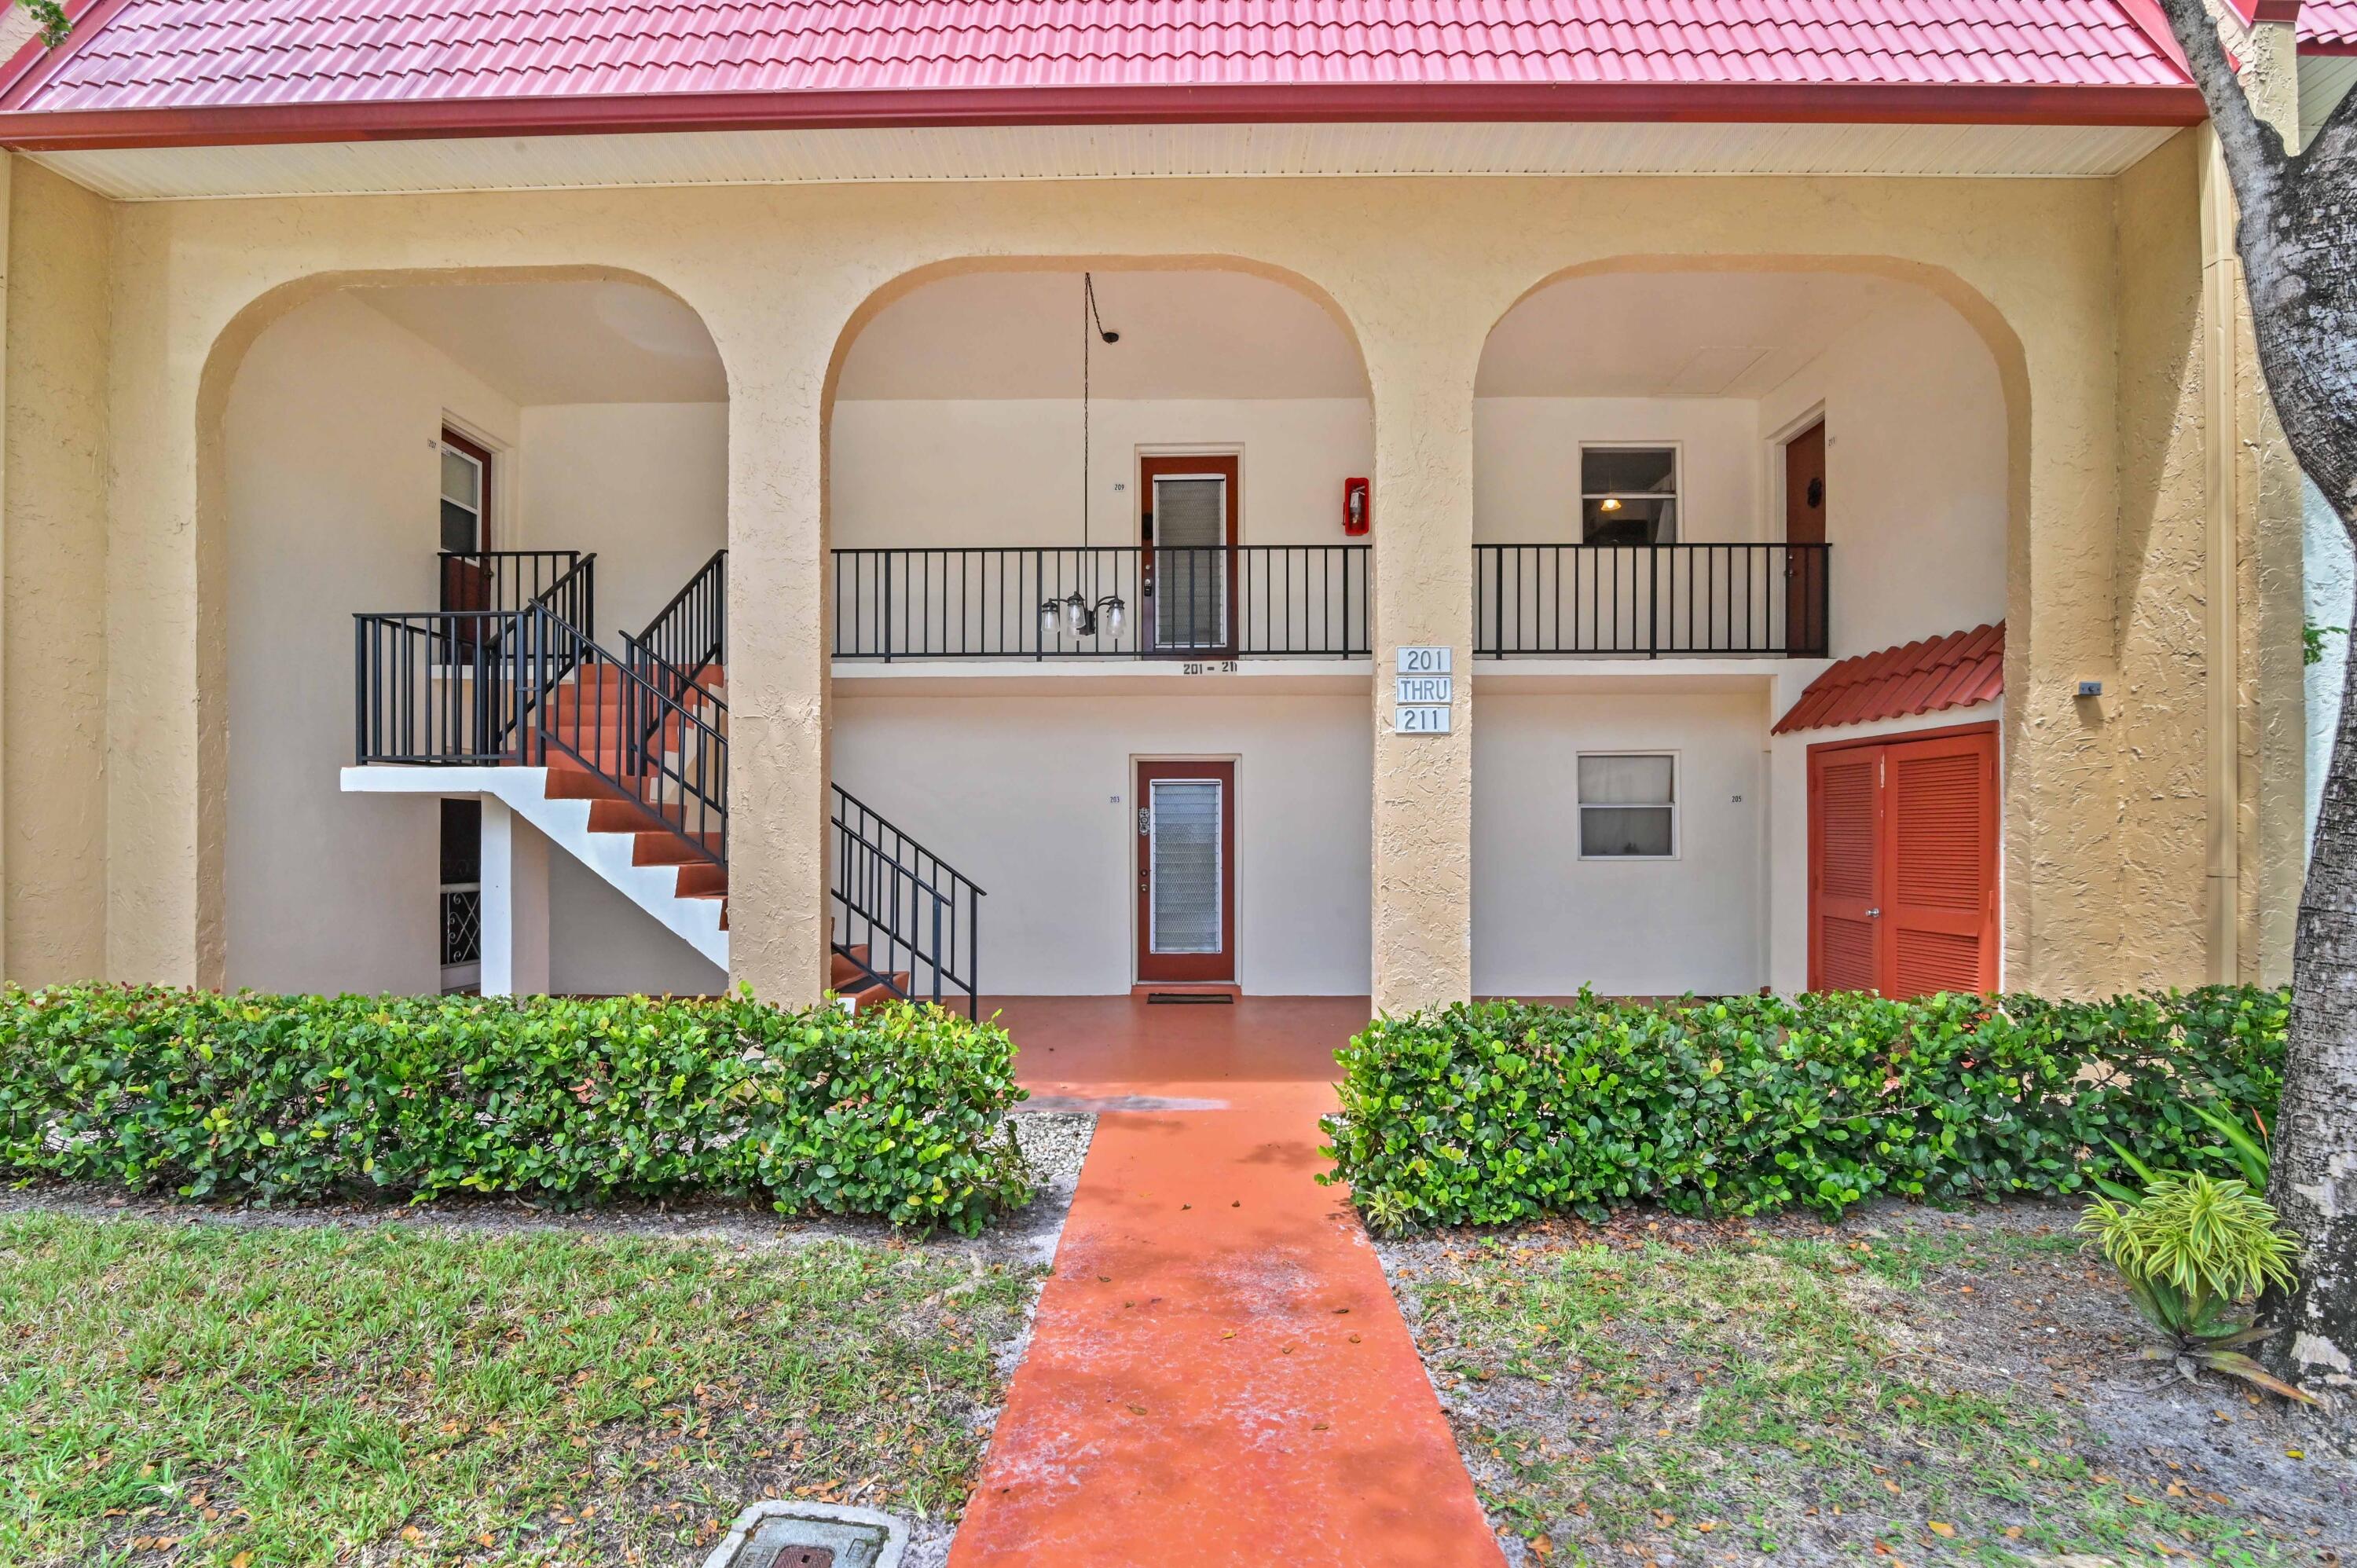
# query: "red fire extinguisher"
[[1355, 510]]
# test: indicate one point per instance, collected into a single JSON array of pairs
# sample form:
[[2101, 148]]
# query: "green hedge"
[[897, 1113], [1495, 1112]]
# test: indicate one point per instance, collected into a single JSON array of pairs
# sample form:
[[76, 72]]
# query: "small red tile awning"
[[2328, 27], [1951, 671]]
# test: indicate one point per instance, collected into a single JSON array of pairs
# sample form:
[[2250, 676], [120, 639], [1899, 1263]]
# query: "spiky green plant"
[[2252, 1152], [2188, 1250], [2247, 1150]]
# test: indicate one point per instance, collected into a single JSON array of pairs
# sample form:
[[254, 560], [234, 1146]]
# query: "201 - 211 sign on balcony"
[[1423, 689]]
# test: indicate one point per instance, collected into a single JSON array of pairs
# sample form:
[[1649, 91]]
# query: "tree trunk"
[[2296, 235], [2313, 1182]]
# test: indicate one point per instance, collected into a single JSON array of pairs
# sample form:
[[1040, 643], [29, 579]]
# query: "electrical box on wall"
[[1356, 512]]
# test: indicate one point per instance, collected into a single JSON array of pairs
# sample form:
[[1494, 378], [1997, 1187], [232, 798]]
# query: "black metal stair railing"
[[1652, 600], [447, 686], [900, 909], [681, 649], [523, 685], [688, 638], [495, 580], [668, 758], [1207, 602], [492, 688]]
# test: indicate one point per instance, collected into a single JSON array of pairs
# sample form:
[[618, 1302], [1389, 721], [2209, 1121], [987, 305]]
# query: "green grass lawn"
[[207, 1393], [1897, 1400]]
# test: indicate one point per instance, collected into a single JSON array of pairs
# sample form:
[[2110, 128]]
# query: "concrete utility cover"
[[811, 1535]]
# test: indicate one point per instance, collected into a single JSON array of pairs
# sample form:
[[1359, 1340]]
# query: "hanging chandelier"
[[1073, 614]]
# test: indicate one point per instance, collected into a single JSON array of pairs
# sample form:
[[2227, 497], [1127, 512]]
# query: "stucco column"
[[61, 262], [779, 768], [514, 904], [2276, 750], [2258, 762], [1423, 596]]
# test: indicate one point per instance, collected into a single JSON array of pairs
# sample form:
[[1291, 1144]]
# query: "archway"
[[1697, 482], [381, 443], [1071, 544]]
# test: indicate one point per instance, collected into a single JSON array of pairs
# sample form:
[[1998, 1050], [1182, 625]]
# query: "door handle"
[[1874, 913]]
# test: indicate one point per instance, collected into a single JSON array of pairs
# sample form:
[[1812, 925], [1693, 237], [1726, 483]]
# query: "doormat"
[[1206, 998]]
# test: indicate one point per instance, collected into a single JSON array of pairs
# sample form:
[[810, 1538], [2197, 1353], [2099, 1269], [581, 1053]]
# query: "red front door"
[[1186, 871], [1804, 526], [1186, 537], [1903, 864]]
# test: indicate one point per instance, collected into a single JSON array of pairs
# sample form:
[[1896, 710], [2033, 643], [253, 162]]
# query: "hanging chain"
[[1088, 314]]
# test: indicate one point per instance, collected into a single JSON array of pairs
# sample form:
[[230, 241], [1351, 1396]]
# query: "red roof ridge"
[[1956, 671], [2154, 22], [194, 72]]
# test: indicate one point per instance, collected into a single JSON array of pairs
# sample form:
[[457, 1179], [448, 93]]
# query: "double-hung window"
[[465, 495], [1628, 805], [1629, 495]]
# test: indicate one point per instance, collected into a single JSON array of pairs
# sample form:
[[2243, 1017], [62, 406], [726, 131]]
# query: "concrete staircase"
[[621, 760]]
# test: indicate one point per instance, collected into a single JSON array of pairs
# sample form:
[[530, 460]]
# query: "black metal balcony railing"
[[527, 688], [511, 579], [1254, 601], [1653, 600]]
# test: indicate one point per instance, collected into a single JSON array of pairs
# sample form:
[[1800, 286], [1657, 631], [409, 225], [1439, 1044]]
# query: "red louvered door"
[[1939, 811], [1902, 865], [1844, 867]]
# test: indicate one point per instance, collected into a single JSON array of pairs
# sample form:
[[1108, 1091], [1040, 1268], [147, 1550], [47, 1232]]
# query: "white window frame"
[[1675, 494], [1677, 794]]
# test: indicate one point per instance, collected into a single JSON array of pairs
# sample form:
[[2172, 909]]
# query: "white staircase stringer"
[[566, 824]]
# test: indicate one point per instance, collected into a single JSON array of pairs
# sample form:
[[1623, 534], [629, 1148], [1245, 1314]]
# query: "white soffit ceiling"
[[2324, 81], [563, 342], [1101, 152], [1200, 333], [1674, 334]]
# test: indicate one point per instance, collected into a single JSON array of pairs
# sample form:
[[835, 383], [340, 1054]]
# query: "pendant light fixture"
[[1074, 614]]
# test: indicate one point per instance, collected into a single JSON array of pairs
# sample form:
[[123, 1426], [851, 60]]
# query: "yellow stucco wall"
[[54, 758], [1419, 270], [2159, 684]]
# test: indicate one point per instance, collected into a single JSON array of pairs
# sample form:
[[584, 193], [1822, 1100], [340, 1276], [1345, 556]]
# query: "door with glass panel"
[[1187, 530], [465, 524], [1186, 871]]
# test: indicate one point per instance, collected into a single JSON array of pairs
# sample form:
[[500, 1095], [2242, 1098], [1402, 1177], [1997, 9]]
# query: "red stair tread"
[[656, 842]]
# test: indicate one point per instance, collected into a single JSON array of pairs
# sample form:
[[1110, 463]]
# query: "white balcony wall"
[[982, 471], [1915, 473], [1546, 922], [645, 485], [1526, 463], [1032, 798], [332, 484]]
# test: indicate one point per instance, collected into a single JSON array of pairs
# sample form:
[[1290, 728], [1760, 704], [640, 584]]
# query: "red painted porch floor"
[[1216, 1373]]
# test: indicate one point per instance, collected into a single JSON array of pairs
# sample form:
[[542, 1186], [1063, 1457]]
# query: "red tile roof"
[[2063, 61], [1951, 671], [2328, 27]]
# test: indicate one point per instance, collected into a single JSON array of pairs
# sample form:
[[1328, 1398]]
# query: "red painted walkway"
[[1218, 1374]]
